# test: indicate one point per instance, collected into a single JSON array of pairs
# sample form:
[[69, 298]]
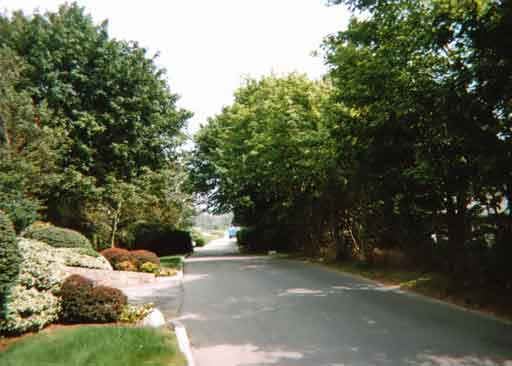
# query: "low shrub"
[[144, 256], [116, 256], [127, 266], [82, 302], [10, 258], [134, 314], [80, 257], [198, 238], [161, 239], [167, 272], [149, 267], [57, 237], [33, 302]]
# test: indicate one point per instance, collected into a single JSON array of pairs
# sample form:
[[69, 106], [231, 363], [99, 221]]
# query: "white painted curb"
[[183, 342]]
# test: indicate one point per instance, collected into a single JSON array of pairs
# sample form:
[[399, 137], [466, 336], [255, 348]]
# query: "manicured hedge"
[[57, 237], [10, 258], [163, 240], [82, 302]]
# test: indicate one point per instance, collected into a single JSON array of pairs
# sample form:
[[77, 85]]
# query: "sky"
[[209, 46]]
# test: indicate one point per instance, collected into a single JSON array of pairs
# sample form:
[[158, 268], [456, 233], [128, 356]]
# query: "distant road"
[[251, 311]]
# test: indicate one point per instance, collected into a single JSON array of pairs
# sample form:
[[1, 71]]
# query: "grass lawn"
[[95, 346], [174, 262]]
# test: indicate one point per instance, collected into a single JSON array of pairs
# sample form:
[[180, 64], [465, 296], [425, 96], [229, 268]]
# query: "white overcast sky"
[[208, 46]]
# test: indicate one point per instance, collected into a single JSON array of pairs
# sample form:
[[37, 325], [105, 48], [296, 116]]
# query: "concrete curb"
[[183, 342]]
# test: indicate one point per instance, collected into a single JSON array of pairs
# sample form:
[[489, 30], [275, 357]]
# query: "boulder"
[[155, 319]]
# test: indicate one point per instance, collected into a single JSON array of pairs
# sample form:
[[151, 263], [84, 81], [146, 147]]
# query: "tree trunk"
[[115, 223]]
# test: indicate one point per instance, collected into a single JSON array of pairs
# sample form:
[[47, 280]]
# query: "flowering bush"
[[33, 301], [149, 267], [166, 272], [79, 257], [134, 314]]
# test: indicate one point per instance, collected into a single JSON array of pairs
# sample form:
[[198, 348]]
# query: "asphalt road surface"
[[252, 311]]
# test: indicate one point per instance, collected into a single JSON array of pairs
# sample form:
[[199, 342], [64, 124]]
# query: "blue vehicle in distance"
[[232, 232]]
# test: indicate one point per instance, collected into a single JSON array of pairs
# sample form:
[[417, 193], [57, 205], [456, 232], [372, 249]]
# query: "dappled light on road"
[[240, 355], [263, 310]]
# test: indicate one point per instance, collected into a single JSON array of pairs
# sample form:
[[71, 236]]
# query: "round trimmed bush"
[[144, 256], [116, 256], [10, 257], [82, 302], [57, 237]]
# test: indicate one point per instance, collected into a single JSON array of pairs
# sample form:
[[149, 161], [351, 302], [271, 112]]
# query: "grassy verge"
[[95, 345], [174, 262], [491, 301]]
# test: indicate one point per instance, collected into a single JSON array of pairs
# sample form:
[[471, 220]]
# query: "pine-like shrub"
[[57, 237], [82, 302], [144, 256], [116, 256], [10, 258]]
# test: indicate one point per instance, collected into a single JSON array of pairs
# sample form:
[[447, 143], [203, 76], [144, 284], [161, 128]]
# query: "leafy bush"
[[57, 237], [80, 257], [116, 256], [10, 257], [127, 266], [198, 238], [143, 256], [82, 302], [21, 210], [33, 302], [162, 239], [149, 267]]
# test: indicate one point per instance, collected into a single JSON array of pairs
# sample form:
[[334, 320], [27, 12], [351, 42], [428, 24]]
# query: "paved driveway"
[[248, 310]]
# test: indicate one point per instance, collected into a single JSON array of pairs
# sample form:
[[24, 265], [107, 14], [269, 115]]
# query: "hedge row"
[[163, 240]]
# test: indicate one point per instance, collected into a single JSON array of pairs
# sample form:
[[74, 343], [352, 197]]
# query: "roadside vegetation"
[[399, 158], [90, 177], [95, 345]]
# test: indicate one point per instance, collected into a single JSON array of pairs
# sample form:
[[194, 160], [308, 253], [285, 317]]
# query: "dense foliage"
[[10, 258], [89, 130], [57, 237], [406, 144], [82, 302], [33, 301], [161, 239]]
